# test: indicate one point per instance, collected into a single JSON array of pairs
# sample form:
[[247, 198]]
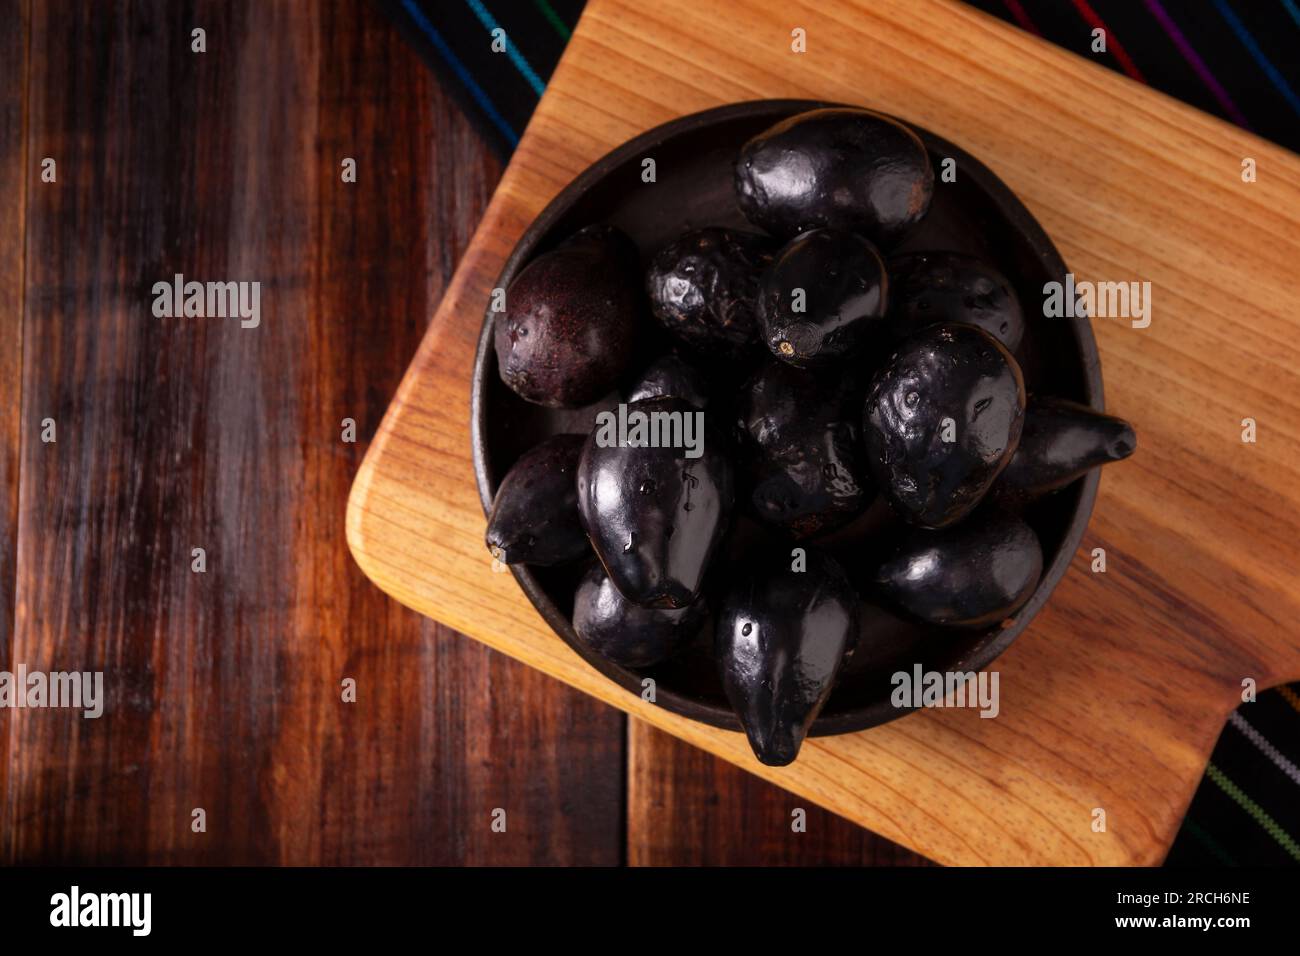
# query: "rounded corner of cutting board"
[[358, 515]]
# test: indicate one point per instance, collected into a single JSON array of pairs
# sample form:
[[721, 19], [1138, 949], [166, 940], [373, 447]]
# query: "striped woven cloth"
[[1237, 59]]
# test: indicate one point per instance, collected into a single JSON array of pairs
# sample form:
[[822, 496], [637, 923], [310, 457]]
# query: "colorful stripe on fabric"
[[481, 98], [553, 19], [1196, 63], [512, 48], [1018, 11], [1270, 825], [1265, 747], [1112, 41], [1265, 64]]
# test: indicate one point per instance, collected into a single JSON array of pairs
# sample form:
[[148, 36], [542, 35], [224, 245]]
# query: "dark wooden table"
[[223, 687]]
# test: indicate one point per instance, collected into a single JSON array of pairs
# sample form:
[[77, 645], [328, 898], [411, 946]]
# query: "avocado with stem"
[[656, 515], [785, 627], [628, 634], [942, 419], [806, 468], [970, 575], [703, 288], [1060, 443], [534, 517], [570, 322], [841, 167], [822, 299], [930, 287]]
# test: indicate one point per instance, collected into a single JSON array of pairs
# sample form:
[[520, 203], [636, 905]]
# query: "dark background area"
[[223, 687]]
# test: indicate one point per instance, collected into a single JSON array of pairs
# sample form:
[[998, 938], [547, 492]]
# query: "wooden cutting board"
[[1114, 697]]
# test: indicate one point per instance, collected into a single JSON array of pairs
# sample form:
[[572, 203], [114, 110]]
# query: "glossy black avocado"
[[843, 168], [703, 288], [823, 298], [629, 634], [1060, 443], [973, 574], [672, 376], [806, 466], [655, 516], [570, 320], [781, 638], [534, 517], [942, 419], [930, 287]]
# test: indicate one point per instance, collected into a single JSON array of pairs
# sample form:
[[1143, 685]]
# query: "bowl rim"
[[1008, 205]]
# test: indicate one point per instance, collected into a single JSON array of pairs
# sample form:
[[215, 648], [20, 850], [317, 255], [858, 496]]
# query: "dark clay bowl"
[[977, 214]]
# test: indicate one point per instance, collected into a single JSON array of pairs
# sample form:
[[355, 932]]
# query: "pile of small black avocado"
[[827, 376]]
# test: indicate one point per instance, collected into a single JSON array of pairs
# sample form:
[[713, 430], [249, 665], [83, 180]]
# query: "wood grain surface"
[[686, 807], [224, 687], [13, 214], [1114, 697]]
